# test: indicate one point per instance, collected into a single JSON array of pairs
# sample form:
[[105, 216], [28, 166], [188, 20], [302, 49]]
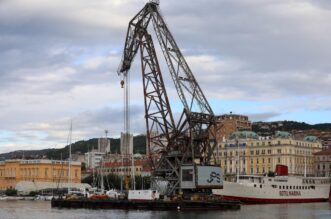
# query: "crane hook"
[[122, 83]]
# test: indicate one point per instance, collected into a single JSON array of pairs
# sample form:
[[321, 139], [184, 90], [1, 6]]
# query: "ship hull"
[[266, 190], [248, 200]]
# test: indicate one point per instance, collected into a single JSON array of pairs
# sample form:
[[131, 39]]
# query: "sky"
[[268, 59]]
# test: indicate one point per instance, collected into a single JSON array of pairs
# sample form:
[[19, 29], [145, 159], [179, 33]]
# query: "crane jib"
[[170, 144]]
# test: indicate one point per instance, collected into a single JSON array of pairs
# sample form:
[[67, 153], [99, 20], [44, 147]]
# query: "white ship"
[[280, 188]]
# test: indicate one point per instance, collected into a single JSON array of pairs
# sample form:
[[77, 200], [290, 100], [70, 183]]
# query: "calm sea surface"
[[43, 210]]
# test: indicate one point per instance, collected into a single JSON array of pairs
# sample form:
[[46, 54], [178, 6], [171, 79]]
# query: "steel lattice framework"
[[170, 144]]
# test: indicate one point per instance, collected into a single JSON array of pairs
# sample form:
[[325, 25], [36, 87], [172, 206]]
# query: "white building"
[[93, 158], [104, 145], [126, 143]]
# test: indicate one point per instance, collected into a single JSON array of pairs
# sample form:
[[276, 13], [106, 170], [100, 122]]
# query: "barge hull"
[[147, 205]]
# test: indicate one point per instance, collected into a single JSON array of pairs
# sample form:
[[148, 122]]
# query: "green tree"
[[11, 192]]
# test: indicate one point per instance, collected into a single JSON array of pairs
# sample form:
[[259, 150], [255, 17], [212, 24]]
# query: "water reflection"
[[43, 210]]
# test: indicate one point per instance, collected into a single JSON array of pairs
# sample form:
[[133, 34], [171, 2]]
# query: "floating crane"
[[175, 148]]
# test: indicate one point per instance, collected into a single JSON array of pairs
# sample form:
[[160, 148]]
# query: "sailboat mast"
[[305, 164], [69, 162], [238, 160], [101, 176]]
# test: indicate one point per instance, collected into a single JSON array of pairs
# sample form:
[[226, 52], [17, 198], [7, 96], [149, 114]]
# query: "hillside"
[[82, 147], [268, 128]]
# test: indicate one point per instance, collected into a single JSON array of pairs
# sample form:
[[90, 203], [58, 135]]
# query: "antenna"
[[106, 143]]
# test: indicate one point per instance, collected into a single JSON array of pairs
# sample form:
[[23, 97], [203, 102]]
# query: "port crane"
[[171, 144]]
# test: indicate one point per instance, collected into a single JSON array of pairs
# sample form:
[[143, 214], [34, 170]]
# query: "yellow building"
[[14, 171], [258, 155]]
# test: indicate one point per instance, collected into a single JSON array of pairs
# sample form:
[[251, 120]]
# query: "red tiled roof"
[[324, 152]]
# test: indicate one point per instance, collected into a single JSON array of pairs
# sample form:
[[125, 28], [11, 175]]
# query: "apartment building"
[[323, 163], [252, 154], [229, 123]]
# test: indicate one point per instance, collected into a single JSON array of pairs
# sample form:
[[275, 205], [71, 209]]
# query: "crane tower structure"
[[171, 144]]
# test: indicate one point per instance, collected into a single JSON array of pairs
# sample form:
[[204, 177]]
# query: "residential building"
[[15, 171], [260, 155], [229, 123], [323, 163], [124, 168], [326, 142], [122, 165], [323, 136], [93, 158]]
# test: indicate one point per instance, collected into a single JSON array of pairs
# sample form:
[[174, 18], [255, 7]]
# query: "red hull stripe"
[[273, 201]]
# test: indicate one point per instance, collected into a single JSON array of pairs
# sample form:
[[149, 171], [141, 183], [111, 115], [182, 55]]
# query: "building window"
[[187, 175]]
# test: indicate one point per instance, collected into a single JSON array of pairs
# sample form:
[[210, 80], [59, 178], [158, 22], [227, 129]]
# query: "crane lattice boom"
[[170, 144]]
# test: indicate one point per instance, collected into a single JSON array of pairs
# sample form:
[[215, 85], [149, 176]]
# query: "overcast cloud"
[[268, 59]]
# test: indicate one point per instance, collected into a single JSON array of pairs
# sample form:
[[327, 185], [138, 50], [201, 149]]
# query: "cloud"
[[262, 116], [59, 61]]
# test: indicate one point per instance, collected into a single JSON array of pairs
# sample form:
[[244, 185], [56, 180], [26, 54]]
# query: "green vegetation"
[[33, 193], [269, 128], [11, 192], [82, 147]]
